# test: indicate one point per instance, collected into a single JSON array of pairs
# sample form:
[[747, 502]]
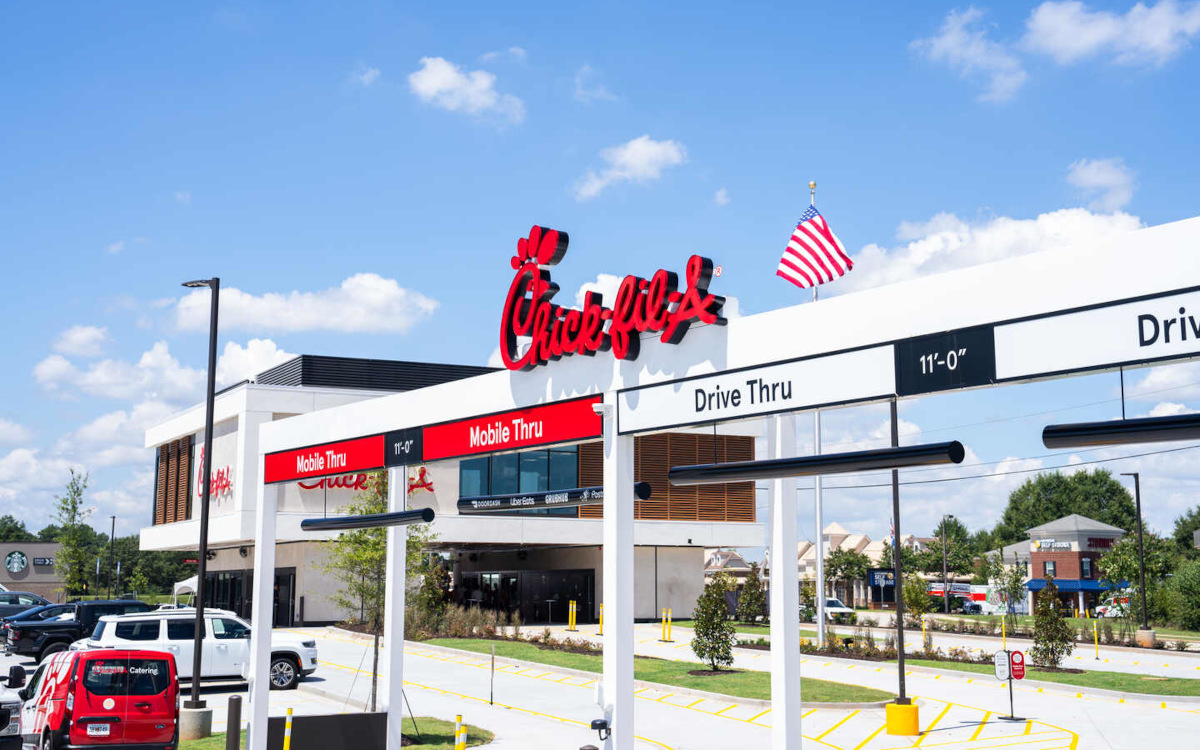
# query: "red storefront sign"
[[655, 304], [360, 454], [1018, 665], [561, 422]]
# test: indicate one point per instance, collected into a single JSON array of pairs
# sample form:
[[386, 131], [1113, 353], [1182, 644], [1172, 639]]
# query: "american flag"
[[814, 254]]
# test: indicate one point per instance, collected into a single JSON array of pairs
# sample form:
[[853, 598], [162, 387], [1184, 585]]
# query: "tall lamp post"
[[112, 539], [945, 570], [1137, 498], [205, 482]]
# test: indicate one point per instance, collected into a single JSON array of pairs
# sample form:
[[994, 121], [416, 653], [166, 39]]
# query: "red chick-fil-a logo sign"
[[220, 481], [347, 482], [653, 304]]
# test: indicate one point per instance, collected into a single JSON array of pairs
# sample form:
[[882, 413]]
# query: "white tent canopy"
[[188, 584]]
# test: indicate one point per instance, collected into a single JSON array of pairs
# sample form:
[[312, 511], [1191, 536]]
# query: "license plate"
[[98, 730]]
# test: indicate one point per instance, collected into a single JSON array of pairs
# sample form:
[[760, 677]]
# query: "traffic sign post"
[[1010, 665]]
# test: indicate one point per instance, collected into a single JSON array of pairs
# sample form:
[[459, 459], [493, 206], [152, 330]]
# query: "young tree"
[[713, 632], [1187, 583], [1008, 581], [917, 600], [1053, 639], [846, 566], [74, 534], [1119, 568], [808, 601], [752, 604], [358, 560]]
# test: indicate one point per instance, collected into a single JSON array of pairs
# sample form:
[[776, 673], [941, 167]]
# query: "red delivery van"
[[108, 698]]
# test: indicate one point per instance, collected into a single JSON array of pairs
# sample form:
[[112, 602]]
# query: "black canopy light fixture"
[[907, 456], [1121, 431], [371, 521]]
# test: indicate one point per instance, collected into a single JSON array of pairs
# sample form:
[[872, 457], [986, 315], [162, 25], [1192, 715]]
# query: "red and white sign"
[[1018, 665], [348, 482], [220, 481], [561, 422], [641, 305], [360, 454]]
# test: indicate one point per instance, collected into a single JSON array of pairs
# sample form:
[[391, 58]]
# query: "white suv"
[[226, 644]]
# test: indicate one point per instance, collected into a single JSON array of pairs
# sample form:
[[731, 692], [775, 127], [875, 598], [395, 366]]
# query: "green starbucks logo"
[[16, 562]]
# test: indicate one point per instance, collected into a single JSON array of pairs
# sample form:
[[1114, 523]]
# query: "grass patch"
[[739, 684], [757, 629], [1127, 683], [436, 734]]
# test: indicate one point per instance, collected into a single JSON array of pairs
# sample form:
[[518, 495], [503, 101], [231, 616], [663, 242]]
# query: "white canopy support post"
[[820, 521], [618, 580], [391, 698], [261, 612], [785, 593]]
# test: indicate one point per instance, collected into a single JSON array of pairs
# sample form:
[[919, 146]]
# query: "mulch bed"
[[712, 672]]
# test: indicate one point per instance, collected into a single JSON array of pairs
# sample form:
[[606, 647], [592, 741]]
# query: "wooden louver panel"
[[652, 465], [591, 474], [682, 502], [172, 486]]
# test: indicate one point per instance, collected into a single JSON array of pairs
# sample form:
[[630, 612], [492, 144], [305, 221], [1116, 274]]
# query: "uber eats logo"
[[16, 562]]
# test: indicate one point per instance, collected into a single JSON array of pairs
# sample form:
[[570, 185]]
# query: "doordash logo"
[[655, 305]]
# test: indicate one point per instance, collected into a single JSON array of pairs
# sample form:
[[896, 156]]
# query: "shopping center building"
[[530, 562]]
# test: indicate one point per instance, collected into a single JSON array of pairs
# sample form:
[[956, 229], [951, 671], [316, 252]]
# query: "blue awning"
[[1073, 585]]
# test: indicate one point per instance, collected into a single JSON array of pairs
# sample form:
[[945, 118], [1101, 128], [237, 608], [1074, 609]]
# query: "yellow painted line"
[[1028, 726], [663, 698], [694, 703], [723, 710], [929, 728], [872, 736], [986, 715], [758, 716], [828, 731], [811, 711], [635, 692]]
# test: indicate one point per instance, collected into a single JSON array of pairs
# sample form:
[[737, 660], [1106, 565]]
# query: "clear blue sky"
[[290, 147]]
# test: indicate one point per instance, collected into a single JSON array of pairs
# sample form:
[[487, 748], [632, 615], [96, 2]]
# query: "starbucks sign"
[[15, 562]]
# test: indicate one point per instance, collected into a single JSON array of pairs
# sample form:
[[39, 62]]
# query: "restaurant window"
[[1087, 567], [528, 471], [1048, 568]]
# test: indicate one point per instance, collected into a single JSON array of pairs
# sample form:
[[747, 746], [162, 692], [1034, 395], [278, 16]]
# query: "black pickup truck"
[[35, 636]]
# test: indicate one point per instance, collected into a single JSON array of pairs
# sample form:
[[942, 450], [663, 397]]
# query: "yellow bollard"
[[287, 731], [903, 720], [670, 621], [571, 617], [1096, 638], [662, 628], [601, 619], [1004, 634], [923, 641], [460, 732]]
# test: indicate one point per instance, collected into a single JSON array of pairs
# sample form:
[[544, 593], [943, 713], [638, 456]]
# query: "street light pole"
[[1137, 498], [112, 538], [213, 284], [945, 570]]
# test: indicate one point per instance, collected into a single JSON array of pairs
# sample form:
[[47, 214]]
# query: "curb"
[[1057, 688], [690, 692]]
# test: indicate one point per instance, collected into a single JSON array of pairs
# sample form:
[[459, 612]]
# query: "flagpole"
[[820, 523]]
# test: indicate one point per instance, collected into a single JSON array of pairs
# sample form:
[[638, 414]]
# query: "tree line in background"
[[142, 572]]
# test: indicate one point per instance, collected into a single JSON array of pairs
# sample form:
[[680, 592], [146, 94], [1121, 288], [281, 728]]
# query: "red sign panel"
[[1018, 665], [560, 422], [348, 456]]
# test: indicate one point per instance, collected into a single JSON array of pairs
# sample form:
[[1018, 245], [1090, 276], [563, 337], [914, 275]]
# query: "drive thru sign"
[[1002, 666], [1018, 665], [1010, 665]]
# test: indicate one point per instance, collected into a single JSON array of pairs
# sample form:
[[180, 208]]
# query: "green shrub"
[[1052, 637], [713, 633]]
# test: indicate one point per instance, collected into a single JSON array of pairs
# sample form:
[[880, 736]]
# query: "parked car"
[[972, 608], [37, 635], [112, 698], [10, 708], [15, 602], [835, 611], [226, 644]]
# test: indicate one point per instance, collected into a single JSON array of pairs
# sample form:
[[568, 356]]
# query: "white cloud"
[[516, 53], [115, 247], [722, 197], [947, 242], [593, 93], [11, 432], [441, 83], [364, 76], [965, 47], [1069, 32], [1108, 183], [640, 160], [239, 362], [128, 501], [1169, 409], [365, 302], [156, 374], [183, 196], [81, 341], [24, 470], [1178, 382]]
